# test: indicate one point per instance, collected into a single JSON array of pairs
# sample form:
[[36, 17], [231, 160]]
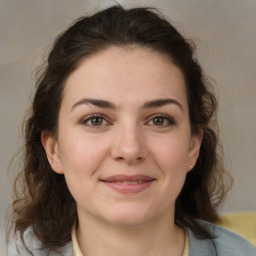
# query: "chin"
[[128, 217], [127, 222]]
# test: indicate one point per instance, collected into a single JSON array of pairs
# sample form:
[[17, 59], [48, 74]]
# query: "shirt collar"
[[77, 250]]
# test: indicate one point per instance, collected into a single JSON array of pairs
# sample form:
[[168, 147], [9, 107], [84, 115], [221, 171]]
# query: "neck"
[[156, 237]]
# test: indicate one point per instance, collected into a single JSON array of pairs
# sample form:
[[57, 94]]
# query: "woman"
[[121, 153]]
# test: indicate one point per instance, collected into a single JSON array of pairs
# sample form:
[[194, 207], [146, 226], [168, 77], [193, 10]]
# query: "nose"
[[129, 145]]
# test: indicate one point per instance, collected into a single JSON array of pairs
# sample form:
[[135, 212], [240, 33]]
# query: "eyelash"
[[168, 121], [85, 121]]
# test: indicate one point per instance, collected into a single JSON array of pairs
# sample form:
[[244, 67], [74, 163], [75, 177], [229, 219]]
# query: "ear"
[[51, 147], [194, 150]]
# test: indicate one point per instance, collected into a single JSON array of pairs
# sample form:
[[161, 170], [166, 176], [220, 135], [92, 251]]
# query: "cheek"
[[172, 160], [82, 158], [172, 156], [82, 155]]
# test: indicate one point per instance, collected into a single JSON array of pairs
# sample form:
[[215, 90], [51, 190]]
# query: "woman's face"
[[124, 142]]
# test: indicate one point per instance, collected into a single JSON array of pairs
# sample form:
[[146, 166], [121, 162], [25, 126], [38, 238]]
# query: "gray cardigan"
[[226, 243]]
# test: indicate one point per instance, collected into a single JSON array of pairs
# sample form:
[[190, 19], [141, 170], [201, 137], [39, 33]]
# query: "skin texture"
[[125, 139]]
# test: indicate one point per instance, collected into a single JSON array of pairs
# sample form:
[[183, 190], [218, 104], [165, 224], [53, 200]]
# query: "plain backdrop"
[[224, 32]]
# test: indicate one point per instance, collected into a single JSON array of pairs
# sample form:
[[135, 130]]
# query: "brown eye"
[[94, 121], [158, 121], [161, 121]]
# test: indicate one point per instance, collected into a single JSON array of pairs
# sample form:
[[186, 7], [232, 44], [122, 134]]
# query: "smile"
[[131, 182], [128, 184]]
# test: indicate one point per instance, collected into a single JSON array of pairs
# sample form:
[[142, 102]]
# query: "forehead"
[[119, 74]]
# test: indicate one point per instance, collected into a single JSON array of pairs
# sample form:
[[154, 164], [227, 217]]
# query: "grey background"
[[224, 32]]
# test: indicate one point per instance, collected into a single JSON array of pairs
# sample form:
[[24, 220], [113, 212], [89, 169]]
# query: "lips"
[[128, 184]]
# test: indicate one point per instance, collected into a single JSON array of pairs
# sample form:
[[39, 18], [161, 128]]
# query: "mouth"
[[128, 184]]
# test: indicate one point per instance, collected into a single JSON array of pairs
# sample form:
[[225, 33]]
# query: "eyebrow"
[[161, 102], [106, 104], [98, 103]]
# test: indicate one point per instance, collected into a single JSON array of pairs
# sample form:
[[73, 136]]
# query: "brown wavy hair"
[[43, 201]]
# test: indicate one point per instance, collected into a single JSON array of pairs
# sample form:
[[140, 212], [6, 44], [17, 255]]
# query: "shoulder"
[[16, 248], [225, 243]]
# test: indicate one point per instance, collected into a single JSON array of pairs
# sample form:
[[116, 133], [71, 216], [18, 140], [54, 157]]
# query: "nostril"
[[120, 158]]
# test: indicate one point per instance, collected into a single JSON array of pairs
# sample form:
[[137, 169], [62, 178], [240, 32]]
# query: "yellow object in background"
[[243, 223]]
